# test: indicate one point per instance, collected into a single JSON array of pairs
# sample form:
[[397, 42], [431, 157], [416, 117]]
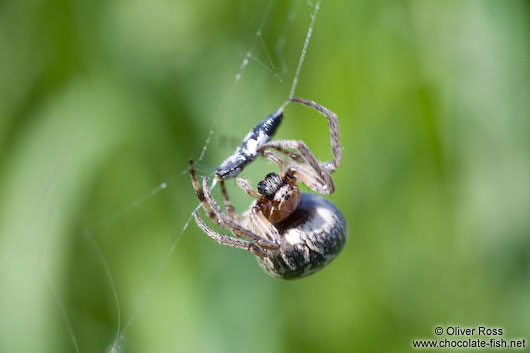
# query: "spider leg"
[[295, 156], [228, 204], [229, 241], [262, 225], [279, 161], [334, 134], [200, 194], [308, 176], [234, 227], [275, 159], [244, 184], [317, 177], [256, 219]]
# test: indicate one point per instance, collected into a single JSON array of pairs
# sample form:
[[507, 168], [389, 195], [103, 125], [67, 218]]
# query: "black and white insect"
[[292, 233], [248, 150]]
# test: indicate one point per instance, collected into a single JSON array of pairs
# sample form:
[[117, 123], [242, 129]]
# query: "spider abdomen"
[[310, 238]]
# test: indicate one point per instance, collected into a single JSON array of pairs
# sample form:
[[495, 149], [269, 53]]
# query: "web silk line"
[[112, 284], [64, 314], [304, 52], [147, 290], [154, 280]]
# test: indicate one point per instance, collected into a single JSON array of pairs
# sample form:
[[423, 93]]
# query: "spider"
[[291, 233]]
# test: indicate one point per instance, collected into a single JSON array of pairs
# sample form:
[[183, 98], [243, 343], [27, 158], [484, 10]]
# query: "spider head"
[[280, 198]]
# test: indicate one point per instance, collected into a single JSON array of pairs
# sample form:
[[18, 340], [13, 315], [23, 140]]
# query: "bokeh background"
[[104, 101]]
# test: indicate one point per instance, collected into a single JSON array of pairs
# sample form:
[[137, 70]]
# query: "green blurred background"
[[103, 101]]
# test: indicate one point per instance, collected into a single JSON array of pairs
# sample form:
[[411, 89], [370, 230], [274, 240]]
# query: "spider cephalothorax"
[[280, 197], [292, 233]]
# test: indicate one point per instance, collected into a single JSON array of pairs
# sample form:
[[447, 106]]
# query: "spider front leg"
[[256, 219], [311, 172], [334, 133], [243, 184], [233, 226], [229, 241], [261, 224], [228, 204], [200, 194]]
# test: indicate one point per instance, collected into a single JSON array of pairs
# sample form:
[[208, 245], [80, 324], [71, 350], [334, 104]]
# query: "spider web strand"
[[112, 284], [66, 319], [304, 49]]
